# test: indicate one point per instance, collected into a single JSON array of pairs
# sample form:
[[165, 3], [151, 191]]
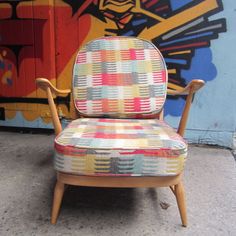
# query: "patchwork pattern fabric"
[[119, 77], [119, 147]]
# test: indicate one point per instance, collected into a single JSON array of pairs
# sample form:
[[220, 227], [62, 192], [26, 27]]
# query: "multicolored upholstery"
[[119, 147], [117, 80], [119, 77]]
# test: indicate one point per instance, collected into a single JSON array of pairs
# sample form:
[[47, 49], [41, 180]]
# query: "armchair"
[[120, 140]]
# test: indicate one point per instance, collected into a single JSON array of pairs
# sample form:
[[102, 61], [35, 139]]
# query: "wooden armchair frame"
[[174, 182]]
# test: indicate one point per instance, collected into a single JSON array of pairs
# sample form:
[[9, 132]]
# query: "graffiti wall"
[[40, 38], [26, 52]]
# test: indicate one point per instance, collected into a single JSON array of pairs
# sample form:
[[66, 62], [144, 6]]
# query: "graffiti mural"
[[24, 27], [181, 30]]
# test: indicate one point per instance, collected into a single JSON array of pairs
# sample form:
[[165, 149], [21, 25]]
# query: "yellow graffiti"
[[172, 71], [138, 9], [180, 52], [115, 6], [179, 19]]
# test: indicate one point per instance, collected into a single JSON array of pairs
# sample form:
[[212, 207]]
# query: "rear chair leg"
[[180, 197], [58, 194]]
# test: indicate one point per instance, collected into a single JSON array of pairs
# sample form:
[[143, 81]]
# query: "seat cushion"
[[119, 147]]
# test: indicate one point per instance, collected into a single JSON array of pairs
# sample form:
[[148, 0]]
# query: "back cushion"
[[122, 77]]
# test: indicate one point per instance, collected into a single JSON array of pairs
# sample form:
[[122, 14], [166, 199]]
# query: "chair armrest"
[[189, 90], [45, 83], [47, 86], [194, 86]]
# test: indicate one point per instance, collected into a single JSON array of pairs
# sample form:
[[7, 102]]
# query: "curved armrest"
[[45, 83], [189, 90], [47, 86], [193, 86]]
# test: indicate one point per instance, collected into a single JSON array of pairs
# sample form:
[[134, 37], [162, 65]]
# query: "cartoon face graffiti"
[[120, 11], [117, 6]]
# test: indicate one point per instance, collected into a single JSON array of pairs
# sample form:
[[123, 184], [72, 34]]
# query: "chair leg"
[[58, 194], [180, 197]]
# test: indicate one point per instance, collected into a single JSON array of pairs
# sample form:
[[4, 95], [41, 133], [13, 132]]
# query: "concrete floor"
[[27, 180]]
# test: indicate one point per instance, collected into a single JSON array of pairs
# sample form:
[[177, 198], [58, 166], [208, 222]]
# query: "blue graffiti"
[[176, 4], [201, 68]]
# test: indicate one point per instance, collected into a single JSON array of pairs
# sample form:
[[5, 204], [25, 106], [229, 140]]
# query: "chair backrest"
[[122, 77]]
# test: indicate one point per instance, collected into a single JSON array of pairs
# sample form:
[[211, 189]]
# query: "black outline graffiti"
[[217, 26]]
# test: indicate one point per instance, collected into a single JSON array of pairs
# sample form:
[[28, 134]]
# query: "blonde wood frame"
[[174, 182]]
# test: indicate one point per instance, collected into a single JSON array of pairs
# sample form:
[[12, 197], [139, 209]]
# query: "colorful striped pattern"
[[119, 77], [119, 147]]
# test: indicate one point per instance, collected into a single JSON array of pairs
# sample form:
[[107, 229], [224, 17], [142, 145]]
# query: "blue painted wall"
[[213, 114]]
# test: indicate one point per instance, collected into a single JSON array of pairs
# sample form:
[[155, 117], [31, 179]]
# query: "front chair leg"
[[180, 197], [58, 194]]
